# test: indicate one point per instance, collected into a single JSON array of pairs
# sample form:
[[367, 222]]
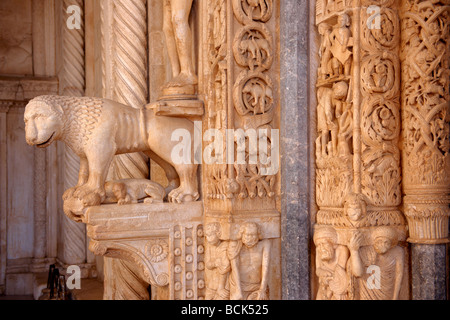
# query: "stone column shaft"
[[426, 146], [72, 80]]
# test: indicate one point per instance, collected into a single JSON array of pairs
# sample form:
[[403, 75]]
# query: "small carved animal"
[[130, 191], [261, 96], [255, 47], [97, 129]]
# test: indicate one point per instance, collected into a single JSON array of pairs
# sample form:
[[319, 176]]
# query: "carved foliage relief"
[[425, 113], [380, 110]]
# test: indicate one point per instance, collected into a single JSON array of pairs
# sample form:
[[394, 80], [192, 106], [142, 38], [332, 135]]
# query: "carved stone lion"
[[97, 129]]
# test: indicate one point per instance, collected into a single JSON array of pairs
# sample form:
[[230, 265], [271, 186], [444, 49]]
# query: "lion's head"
[[43, 121]]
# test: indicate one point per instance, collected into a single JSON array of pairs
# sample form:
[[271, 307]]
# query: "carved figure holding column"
[[217, 264], [249, 265], [179, 45], [383, 254], [331, 262]]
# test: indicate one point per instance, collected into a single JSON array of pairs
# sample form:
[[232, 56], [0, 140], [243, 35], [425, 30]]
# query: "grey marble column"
[[430, 272], [295, 150]]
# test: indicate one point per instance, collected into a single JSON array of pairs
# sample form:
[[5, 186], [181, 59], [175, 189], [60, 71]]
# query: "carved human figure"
[[326, 121], [341, 41], [325, 49], [344, 117], [385, 256], [331, 263], [331, 115], [179, 42], [379, 77], [249, 265], [217, 264]]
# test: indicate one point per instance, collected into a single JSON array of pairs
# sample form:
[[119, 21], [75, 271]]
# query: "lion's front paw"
[[90, 196], [69, 193], [181, 195]]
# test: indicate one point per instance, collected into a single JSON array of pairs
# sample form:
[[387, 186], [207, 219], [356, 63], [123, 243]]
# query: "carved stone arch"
[[120, 250]]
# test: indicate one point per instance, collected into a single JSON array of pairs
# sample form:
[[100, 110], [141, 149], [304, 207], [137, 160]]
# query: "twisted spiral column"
[[124, 35], [40, 195], [72, 84]]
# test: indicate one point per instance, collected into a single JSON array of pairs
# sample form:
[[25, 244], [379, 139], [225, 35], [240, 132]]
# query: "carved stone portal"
[[380, 144], [155, 234]]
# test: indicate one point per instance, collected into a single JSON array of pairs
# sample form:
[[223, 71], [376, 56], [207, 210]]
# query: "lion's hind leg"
[[188, 189]]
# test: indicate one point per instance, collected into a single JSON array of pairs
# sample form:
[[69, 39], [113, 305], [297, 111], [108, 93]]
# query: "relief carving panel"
[[360, 232]]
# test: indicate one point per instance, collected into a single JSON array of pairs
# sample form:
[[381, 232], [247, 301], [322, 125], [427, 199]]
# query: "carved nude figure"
[[325, 50], [326, 121], [249, 265], [98, 129], [129, 191], [331, 262], [383, 254], [217, 264], [179, 42], [341, 40]]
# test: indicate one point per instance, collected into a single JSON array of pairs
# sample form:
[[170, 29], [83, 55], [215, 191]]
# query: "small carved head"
[[340, 90], [344, 21], [355, 206], [325, 239], [384, 238], [324, 28], [213, 233], [43, 121], [250, 234]]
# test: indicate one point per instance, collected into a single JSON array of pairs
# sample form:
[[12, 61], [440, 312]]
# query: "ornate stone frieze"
[[24, 89]]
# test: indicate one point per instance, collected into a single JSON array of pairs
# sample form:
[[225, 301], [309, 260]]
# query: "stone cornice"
[[21, 89]]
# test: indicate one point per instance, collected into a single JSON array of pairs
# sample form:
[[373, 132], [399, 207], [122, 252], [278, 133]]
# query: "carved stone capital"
[[428, 218]]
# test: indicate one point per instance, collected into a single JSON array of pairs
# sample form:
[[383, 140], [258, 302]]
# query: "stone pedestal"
[[162, 242]]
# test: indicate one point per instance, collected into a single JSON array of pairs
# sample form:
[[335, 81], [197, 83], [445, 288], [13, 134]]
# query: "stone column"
[[124, 61], [40, 196], [426, 146], [72, 83], [4, 108], [295, 155], [124, 79], [358, 176]]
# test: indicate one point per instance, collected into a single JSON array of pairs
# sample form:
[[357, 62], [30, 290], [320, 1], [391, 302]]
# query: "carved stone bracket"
[[164, 241]]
